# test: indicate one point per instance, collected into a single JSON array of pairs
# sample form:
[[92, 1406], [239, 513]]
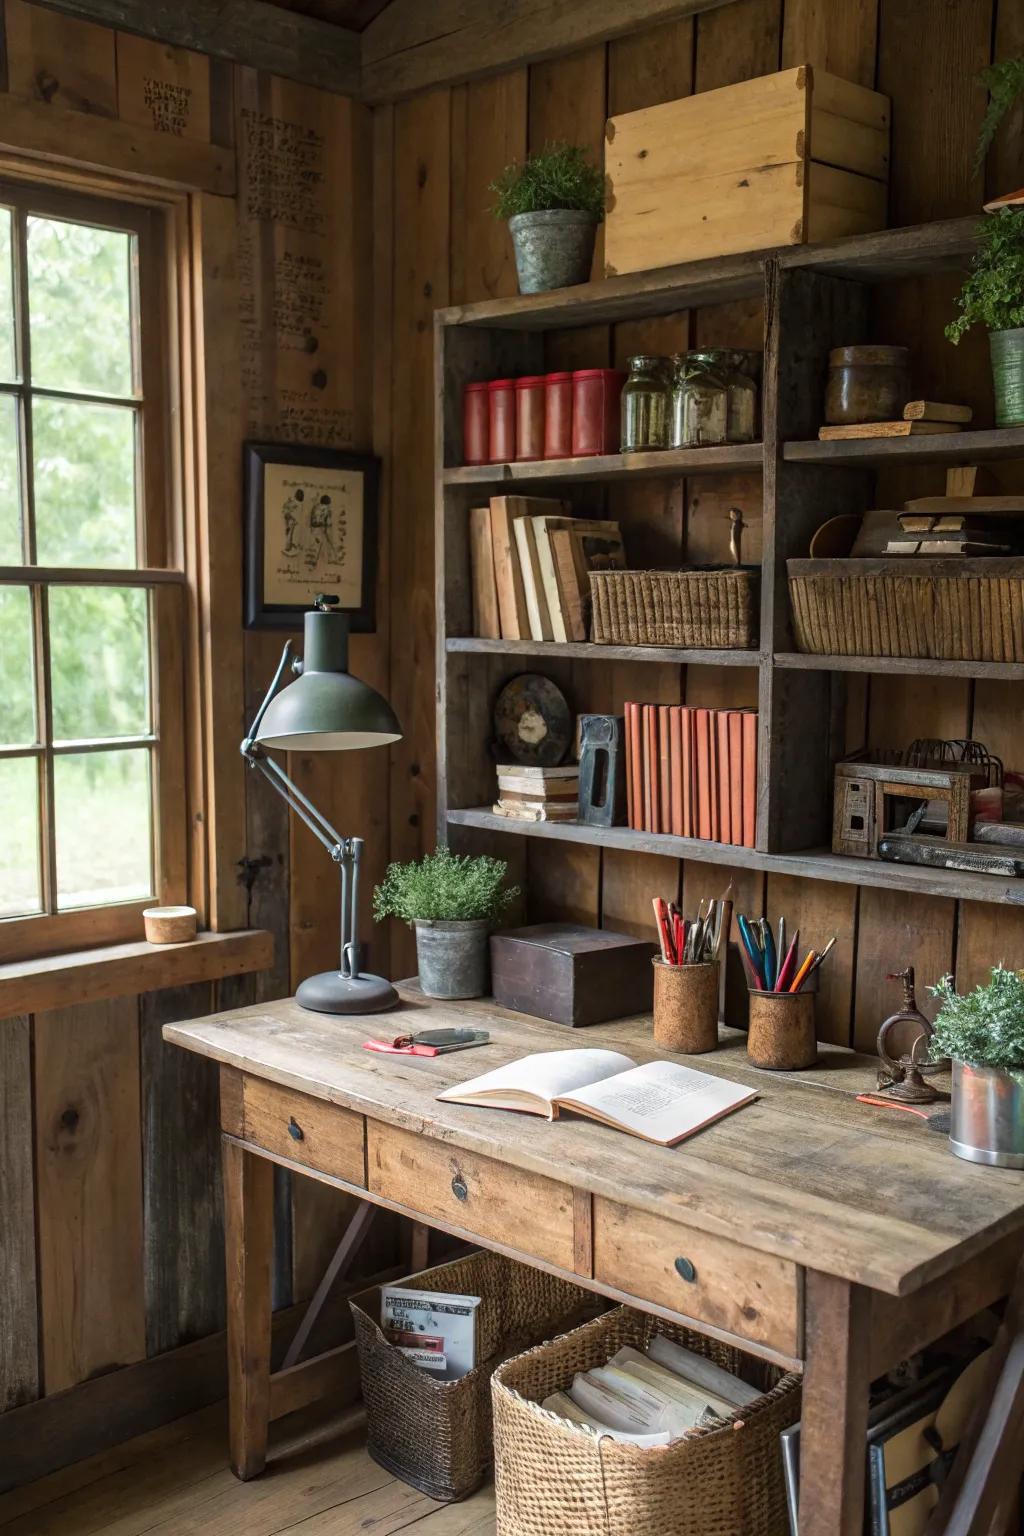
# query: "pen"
[[788, 965], [824, 952], [752, 951], [771, 959]]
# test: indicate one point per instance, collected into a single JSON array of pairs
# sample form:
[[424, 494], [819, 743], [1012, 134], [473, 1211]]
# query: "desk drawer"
[[524, 1211], [716, 1281], [306, 1130]]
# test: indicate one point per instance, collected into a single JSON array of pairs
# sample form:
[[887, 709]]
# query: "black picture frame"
[[263, 614]]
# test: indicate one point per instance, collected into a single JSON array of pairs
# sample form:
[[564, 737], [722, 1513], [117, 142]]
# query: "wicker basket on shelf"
[[555, 1479], [436, 1435], [941, 609], [710, 609]]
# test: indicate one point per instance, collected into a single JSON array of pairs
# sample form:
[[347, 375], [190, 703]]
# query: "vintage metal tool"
[[903, 1044]]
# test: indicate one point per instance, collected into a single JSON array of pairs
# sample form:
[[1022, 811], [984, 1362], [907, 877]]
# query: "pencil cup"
[[686, 1007], [781, 1033]]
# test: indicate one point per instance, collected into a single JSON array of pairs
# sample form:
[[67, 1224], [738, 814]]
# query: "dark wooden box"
[[570, 974]]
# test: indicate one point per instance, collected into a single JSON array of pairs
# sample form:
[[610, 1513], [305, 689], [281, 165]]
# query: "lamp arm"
[[337, 846], [250, 741]]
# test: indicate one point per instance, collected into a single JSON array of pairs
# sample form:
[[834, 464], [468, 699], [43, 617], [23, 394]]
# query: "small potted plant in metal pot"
[[993, 296], [983, 1032], [553, 202], [452, 901]]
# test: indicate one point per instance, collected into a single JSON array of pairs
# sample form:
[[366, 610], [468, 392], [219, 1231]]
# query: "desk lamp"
[[326, 710]]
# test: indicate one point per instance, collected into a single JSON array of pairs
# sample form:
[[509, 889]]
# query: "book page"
[[544, 1077], [662, 1101]]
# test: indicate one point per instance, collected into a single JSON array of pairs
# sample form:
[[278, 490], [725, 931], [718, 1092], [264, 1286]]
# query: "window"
[[91, 611]]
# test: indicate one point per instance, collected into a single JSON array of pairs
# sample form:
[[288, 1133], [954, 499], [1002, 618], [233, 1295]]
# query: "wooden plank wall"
[[111, 1243], [439, 151]]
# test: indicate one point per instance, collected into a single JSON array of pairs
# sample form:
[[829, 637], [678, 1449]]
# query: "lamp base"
[[331, 992]]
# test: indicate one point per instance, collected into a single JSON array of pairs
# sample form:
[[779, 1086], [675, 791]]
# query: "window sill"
[[90, 975]]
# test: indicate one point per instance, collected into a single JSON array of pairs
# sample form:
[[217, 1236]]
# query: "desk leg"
[[249, 1241], [834, 1417]]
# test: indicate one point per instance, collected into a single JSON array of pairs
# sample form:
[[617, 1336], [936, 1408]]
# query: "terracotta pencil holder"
[[686, 1007], [781, 1034]]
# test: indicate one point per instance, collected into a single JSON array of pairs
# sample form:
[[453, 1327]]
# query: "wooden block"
[[969, 480], [863, 429], [474, 1193], [752, 1295], [933, 410], [571, 974], [486, 621], [304, 1129]]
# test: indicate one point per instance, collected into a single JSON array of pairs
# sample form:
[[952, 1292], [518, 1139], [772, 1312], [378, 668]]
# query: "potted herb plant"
[[452, 901], [553, 202], [993, 296], [983, 1032]]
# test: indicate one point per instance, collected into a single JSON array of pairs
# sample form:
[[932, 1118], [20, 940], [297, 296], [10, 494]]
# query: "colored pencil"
[[753, 953], [788, 965], [804, 971]]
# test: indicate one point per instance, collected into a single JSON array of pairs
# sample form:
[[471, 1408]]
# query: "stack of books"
[[692, 772], [531, 564], [538, 794]]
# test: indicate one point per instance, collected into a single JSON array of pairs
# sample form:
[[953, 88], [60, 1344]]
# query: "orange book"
[[689, 772], [652, 814], [627, 710], [724, 777], [702, 753], [735, 777], [749, 777], [664, 770], [676, 761]]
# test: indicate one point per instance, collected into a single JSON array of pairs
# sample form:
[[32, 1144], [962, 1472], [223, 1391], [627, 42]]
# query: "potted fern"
[[993, 296], [983, 1032], [452, 901], [553, 202]]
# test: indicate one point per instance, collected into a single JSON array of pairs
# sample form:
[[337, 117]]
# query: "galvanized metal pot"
[[453, 957], [554, 248], [987, 1120], [1007, 349]]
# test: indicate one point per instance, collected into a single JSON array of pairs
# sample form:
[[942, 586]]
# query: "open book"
[[662, 1101]]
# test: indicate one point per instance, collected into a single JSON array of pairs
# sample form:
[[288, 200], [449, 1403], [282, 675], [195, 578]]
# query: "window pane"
[[17, 690], [84, 483], [19, 846], [79, 307], [7, 363], [10, 483], [103, 827], [99, 661]]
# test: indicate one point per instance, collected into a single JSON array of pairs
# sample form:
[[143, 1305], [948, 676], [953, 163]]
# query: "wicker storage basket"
[[951, 609], [709, 608], [556, 1480], [436, 1435]]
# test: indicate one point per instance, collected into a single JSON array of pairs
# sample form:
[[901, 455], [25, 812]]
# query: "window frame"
[[160, 563]]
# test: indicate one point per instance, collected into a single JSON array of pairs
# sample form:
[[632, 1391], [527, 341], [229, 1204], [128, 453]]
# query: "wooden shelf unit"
[[815, 298]]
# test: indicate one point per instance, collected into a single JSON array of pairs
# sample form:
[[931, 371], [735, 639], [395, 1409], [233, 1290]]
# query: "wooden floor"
[[175, 1482]]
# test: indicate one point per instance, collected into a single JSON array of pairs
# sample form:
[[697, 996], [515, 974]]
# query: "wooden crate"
[[795, 156]]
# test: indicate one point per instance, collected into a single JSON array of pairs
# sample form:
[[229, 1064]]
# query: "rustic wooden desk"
[[820, 1233]]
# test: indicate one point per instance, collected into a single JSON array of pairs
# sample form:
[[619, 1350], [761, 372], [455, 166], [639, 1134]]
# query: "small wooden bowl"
[[170, 925]]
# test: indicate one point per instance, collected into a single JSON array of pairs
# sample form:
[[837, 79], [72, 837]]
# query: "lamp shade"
[[327, 709]]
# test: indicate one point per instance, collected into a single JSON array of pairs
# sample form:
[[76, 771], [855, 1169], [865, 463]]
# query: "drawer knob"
[[459, 1188], [295, 1130], [685, 1269]]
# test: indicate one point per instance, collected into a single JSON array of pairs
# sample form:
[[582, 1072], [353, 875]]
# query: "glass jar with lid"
[[646, 401], [700, 401], [741, 423]]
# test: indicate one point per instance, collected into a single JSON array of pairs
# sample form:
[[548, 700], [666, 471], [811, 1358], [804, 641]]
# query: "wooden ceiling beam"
[[251, 32], [411, 46]]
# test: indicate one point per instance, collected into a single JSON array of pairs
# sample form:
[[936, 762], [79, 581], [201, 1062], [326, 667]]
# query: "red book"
[[713, 773], [664, 770], [650, 761], [689, 773], [735, 777], [724, 777], [749, 777], [676, 762], [702, 735]]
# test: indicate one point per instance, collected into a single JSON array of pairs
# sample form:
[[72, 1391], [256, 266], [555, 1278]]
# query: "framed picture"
[[310, 526]]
